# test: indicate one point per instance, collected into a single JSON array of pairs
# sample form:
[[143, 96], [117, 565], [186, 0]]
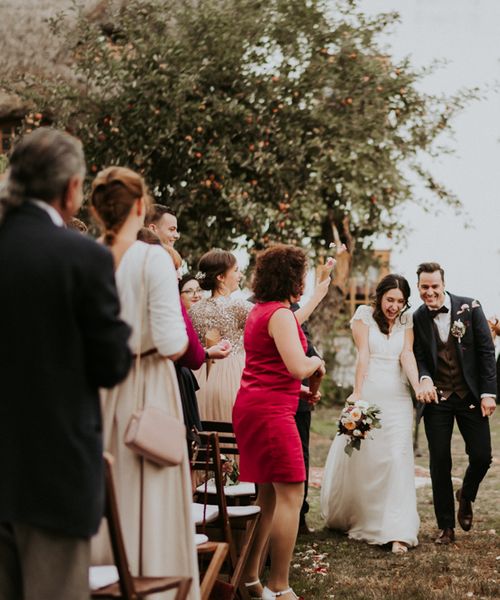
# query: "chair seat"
[[242, 511], [240, 489], [200, 538], [197, 513], [143, 586], [102, 576]]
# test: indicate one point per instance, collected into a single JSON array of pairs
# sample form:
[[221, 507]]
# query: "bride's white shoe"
[[399, 548], [267, 594]]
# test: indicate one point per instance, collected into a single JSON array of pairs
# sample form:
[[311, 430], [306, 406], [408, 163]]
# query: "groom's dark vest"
[[448, 378]]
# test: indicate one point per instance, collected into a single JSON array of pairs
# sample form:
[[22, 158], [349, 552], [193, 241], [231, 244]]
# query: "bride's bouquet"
[[356, 421]]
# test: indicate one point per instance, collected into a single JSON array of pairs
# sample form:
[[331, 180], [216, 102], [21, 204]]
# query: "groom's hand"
[[488, 405]]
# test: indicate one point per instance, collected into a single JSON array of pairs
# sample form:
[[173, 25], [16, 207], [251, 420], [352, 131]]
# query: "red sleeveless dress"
[[263, 414]]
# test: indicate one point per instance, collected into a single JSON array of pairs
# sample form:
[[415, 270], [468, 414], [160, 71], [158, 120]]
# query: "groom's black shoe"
[[464, 514], [447, 536]]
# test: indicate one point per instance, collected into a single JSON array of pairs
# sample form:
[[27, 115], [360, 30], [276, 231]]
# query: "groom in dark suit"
[[61, 339], [456, 362]]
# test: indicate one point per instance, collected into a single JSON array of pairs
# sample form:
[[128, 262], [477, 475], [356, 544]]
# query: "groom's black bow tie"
[[434, 313]]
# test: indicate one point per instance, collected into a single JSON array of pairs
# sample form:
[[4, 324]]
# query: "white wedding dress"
[[371, 494]]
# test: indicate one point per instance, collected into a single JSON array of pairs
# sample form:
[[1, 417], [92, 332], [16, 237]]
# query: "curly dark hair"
[[279, 273], [389, 282], [212, 264]]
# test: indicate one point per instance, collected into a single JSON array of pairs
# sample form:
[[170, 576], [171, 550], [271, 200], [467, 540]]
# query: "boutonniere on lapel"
[[458, 329]]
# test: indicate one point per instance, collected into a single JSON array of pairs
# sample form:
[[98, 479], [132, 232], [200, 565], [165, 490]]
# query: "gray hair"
[[41, 165]]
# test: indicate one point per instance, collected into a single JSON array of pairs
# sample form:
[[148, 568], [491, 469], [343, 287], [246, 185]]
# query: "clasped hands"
[[313, 397], [426, 391], [306, 394]]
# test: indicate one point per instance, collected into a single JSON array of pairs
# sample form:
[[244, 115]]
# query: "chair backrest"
[[209, 461], [244, 525], [227, 439], [115, 532]]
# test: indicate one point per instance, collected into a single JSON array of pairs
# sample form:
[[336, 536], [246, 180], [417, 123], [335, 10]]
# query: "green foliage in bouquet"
[[356, 421], [230, 470]]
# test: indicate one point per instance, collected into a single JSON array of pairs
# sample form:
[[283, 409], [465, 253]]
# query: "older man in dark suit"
[[61, 338], [456, 362]]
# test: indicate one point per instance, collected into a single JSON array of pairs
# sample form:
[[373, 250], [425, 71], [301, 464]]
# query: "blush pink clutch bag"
[[156, 436]]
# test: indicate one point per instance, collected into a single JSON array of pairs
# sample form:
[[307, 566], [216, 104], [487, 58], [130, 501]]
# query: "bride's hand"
[[353, 398]]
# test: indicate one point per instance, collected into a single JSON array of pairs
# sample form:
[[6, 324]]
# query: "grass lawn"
[[328, 565]]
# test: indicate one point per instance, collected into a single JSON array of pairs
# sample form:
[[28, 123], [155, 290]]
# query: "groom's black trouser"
[[439, 420]]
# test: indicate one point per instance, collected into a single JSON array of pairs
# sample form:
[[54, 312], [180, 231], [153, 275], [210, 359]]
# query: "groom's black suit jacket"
[[475, 351], [60, 339]]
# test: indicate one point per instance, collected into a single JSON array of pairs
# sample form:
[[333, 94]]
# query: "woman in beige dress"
[[220, 317], [154, 502]]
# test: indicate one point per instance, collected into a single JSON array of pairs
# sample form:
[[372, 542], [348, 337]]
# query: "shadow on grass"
[[327, 565]]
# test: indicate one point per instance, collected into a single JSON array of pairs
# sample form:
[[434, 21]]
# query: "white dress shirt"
[[443, 320]]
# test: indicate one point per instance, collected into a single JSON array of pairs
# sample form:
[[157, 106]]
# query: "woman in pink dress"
[[263, 415]]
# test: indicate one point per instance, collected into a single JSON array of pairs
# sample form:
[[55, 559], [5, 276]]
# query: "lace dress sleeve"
[[363, 313]]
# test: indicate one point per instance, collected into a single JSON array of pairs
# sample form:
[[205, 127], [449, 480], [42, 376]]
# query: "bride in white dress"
[[371, 494]]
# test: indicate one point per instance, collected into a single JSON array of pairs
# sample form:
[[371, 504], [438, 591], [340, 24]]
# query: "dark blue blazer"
[[475, 350], [61, 338]]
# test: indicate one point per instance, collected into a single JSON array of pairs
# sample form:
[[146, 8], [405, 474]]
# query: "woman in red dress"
[[263, 414]]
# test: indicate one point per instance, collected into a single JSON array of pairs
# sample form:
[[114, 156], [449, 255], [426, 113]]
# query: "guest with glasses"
[[190, 290]]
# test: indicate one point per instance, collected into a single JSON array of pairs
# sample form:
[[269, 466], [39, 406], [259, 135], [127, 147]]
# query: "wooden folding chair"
[[225, 523], [218, 552], [129, 587], [242, 493]]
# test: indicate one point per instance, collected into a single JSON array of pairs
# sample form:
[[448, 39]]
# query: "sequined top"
[[227, 315]]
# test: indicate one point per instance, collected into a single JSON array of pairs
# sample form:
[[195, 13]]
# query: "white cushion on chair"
[[200, 538], [210, 487], [242, 511], [240, 489], [102, 576], [197, 513]]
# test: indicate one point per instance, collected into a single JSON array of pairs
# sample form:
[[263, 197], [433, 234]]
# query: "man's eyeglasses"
[[192, 292]]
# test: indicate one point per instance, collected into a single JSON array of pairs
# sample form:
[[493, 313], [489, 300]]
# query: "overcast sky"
[[466, 33]]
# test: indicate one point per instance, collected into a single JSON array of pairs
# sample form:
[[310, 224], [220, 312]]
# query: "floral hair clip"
[[200, 276]]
